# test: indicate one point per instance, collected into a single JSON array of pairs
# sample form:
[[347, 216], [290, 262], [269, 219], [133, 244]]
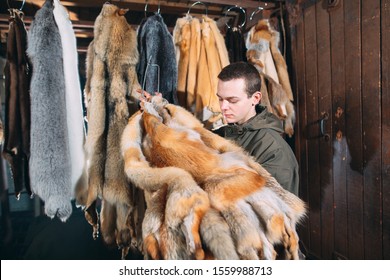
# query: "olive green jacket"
[[261, 138]]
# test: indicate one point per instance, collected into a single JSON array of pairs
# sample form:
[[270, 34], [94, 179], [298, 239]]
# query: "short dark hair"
[[242, 70]]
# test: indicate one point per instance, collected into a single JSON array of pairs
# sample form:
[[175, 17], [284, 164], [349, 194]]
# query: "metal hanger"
[[259, 9], [146, 7], [146, 73], [21, 7], [197, 3], [242, 10]]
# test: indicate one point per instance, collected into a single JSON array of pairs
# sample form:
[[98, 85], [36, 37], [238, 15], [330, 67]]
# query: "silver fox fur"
[[50, 165]]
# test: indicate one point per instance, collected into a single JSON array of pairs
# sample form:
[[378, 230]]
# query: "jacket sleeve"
[[282, 167]]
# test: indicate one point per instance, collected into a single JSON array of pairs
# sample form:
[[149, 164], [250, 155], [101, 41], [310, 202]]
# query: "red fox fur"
[[217, 189], [263, 52]]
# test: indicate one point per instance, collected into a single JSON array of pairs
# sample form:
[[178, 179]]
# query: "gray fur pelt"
[[50, 169], [155, 46]]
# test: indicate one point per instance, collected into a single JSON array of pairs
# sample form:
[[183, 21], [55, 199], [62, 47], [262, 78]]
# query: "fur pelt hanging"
[[187, 39], [263, 52], [111, 85], [157, 67], [17, 71], [201, 53], [75, 118], [206, 197], [50, 164], [183, 43], [213, 57], [193, 63], [235, 45]]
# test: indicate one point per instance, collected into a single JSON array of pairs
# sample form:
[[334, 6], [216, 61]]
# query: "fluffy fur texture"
[[50, 165], [202, 54], [183, 44], [263, 52], [245, 213], [111, 84], [175, 203], [74, 114], [193, 62], [156, 48], [17, 71]]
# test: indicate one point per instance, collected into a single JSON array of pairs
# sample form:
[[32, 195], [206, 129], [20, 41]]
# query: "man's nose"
[[224, 104]]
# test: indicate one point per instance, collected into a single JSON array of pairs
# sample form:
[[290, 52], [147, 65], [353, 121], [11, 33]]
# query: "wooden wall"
[[340, 53]]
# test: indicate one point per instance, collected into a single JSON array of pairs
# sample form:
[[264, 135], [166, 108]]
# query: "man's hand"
[[146, 97]]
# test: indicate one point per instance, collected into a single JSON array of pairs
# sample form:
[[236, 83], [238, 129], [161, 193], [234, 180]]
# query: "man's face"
[[235, 104]]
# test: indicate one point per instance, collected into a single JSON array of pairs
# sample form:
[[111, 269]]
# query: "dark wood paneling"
[[371, 128], [325, 144], [353, 113], [311, 95], [385, 16], [299, 80], [346, 181], [339, 133]]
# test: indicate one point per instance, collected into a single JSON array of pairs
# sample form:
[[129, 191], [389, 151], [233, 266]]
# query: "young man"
[[252, 127]]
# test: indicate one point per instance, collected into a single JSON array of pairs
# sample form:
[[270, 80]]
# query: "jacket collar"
[[263, 119]]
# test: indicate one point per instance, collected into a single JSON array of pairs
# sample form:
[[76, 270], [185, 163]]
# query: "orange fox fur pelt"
[[206, 198]]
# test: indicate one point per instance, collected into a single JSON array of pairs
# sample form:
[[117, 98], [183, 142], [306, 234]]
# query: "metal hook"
[[21, 7], [146, 7], [146, 72], [241, 10], [256, 12], [197, 3]]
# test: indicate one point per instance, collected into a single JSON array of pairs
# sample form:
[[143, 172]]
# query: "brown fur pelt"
[[263, 52], [110, 87], [226, 206]]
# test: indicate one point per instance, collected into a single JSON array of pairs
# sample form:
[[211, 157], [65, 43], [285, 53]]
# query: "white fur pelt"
[[73, 93], [50, 168]]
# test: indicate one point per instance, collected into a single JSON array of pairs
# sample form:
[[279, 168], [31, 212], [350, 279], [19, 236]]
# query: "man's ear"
[[256, 97]]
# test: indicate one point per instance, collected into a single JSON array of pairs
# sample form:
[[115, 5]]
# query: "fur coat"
[[75, 120], [50, 164], [111, 84], [155, 46], [17, 104]]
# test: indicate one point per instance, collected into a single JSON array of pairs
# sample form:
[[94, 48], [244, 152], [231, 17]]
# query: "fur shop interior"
[[85, 174]]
